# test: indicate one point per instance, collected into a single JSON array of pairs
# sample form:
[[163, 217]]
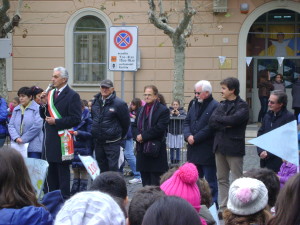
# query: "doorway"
[[290, 69]]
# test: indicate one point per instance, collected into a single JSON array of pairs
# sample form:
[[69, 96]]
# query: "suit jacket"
[[69, 106]]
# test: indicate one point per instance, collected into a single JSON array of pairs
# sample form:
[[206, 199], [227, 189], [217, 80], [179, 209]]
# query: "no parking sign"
[[123, 48]]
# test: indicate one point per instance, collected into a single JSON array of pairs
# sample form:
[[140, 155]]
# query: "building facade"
[[74, 34]]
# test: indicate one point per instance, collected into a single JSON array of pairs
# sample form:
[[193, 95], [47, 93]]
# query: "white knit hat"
[[90, 208], [247, 196]]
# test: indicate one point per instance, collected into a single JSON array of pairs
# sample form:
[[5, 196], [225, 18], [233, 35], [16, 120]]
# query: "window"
[[90, 50], [86, 48]]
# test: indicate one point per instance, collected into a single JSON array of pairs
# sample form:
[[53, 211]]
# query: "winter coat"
[[111, 120], [264, 88], [31, 128], [279, 86], [196, 124], [68, 105], [229, 121], [83, 142], [176, 121], [270, 122], [287, 170], [159, 125], [28, 215], [3, 118], [296, 94]]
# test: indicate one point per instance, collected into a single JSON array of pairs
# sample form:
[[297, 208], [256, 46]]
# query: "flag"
[[282, 142]]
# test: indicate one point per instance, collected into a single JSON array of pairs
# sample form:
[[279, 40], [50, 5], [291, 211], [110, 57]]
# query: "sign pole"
[[122, 85]]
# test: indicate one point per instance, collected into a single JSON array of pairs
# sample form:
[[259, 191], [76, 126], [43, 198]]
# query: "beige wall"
[[39, 44]]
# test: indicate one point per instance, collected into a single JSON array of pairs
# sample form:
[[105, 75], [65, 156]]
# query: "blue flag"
[[282, 142]]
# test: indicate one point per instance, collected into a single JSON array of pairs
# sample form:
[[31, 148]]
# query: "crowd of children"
[[179, 199]]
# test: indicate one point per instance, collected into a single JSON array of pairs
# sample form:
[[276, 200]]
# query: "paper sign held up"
[[90, 165]]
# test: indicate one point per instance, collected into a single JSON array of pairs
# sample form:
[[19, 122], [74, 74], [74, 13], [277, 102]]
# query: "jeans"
[[130, 157], [2, 141], [210, 175], [34, 155], [177, 153], [263, 107]]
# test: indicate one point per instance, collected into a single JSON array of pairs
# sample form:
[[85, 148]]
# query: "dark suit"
[[68, 105]]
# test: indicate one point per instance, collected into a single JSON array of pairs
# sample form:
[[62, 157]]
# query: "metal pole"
[[134, 73], [122, 85]]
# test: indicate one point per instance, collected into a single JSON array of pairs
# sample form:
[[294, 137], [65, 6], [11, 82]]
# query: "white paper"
[[280, 60], [222, 59], [37, 169], [214, 213], [282, 142], [90, 165], [121, 158], [22, 148]]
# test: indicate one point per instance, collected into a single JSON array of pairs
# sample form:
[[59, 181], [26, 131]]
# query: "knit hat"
[[183, 184], [247, 196], [90, 208]]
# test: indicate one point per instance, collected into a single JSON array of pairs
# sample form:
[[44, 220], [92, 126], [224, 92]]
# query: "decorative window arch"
[[86, 45]]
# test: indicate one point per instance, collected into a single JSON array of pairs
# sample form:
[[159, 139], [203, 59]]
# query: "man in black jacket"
[[200, 136], [277, 116], [110, 125], [229, 121]]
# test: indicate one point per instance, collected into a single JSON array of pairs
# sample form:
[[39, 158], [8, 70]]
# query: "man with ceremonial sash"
[[61, 110], [110, 125]]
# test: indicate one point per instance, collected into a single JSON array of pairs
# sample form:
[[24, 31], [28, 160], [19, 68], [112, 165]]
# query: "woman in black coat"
[[149, 131]]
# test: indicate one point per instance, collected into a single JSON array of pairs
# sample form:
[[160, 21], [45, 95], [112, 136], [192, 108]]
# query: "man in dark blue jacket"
[[229, 121], [200, 136], [277, 116], [110, 125], [3, 120]]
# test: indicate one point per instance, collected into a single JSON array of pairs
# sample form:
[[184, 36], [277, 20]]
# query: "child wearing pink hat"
[[183, 184]]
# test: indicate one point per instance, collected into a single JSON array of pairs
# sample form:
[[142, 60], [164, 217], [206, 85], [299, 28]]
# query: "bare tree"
[[6, 25], [178, 37]]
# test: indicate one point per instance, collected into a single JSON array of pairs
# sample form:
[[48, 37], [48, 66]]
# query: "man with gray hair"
[[277, 116], [200, 136], [61, 110]]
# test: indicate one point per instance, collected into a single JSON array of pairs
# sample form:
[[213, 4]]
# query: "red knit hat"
[[183, 184]]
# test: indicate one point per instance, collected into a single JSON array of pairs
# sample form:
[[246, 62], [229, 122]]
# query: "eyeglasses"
[[271, 102], [197, 93], [147, 95]]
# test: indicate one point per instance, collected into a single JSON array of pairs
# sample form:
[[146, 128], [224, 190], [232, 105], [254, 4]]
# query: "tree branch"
[[159, 22], [188, 13]]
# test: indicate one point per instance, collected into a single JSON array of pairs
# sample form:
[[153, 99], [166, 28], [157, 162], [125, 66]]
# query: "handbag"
[[152, 148]]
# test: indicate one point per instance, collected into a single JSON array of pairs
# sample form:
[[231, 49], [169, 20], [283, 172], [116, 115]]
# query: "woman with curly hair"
[[18, 202]]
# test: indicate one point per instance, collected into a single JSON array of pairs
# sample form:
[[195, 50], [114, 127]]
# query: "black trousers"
[[151, 178], [58, 178], [107, 156]]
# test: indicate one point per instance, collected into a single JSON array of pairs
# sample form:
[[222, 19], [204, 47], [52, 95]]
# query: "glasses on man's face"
[[271, 102], [197, 93], [147, 95]]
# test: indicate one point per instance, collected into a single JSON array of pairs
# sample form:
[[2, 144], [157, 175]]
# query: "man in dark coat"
[[200, 136], [277, 116], [149, 128], [110, 125], [229, 121], [67, 103]]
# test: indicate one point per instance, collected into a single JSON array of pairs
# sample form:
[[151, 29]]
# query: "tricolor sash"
[[66, 139]]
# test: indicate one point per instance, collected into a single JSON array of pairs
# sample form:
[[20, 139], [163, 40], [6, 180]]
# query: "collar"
[[22, 107], [61, 89]]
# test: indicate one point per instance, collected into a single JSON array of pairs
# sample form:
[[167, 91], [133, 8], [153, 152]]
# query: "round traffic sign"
[[123, 39]]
